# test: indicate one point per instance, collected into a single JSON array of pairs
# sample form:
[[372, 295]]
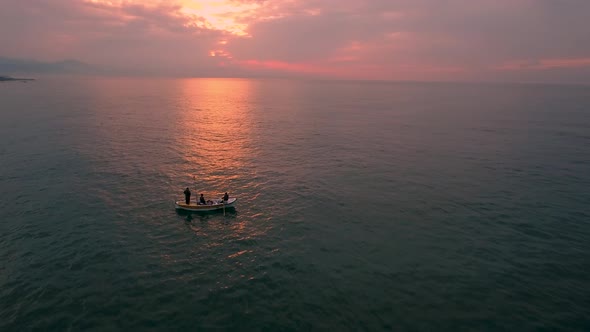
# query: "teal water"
[[362, 206]]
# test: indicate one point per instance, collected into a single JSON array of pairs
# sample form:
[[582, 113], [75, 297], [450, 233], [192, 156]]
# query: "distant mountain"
[[24, 66], [8, 78]]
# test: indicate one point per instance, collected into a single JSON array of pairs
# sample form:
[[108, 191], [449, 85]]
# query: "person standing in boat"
[[187, 196], [202, 200], [225, 197]]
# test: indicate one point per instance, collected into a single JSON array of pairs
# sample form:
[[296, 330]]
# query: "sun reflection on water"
[[215, 133], [217, 141]]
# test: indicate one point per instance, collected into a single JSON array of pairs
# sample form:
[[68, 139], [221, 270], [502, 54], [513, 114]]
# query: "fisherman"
[[187, 196], [225, 197], [202, 200]]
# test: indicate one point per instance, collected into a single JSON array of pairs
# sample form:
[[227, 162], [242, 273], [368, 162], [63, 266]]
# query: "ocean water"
[[362, 206]]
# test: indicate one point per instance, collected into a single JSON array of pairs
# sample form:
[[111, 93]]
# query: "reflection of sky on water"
[[150, 139], [214, 136], [216, 140]]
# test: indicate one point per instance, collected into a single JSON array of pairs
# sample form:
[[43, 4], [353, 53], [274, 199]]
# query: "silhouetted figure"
[[187, 196], [225, 197], [202, 200]]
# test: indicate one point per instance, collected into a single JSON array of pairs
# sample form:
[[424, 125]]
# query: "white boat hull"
[[216, 204]]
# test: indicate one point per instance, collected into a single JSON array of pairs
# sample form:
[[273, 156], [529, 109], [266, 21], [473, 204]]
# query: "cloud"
[[419, 38], [544, 64], [378, 39], [153, 38]]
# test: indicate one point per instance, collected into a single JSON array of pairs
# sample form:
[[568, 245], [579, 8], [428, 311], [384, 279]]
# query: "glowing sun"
[[220, 14]]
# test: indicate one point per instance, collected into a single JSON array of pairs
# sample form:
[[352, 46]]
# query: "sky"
[[424, 40]]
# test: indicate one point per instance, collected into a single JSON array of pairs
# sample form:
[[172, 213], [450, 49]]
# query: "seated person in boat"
[[225, 197], [202, 199], [187, 196]]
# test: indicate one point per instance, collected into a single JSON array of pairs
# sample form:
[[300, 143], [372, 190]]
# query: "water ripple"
[[362, 206]]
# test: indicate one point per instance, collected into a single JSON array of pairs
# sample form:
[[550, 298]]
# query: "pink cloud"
[[544, 64], [286, 66], [378, 39]]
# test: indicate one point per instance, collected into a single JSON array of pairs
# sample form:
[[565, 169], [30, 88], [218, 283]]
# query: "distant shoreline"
[[13, 79]]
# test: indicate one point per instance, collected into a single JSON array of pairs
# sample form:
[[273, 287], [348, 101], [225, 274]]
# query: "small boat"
[[212, 205]]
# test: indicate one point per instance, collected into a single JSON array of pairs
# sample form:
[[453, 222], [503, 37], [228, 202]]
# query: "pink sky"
[[481, 40]]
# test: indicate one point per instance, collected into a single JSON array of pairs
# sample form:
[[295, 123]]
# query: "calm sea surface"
[[361, 206]]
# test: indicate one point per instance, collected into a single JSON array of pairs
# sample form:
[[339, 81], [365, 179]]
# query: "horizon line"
[[296, 78]]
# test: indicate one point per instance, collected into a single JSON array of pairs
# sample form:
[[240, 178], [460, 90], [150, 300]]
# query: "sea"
[[362, 206]]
